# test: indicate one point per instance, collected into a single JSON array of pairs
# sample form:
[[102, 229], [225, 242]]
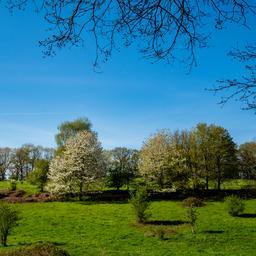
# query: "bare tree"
[[162, 29], [5, 161], [166, 30], [241, 89]]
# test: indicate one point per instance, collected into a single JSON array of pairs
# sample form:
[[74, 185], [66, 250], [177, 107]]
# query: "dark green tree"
[[8, 220], [122, 166], [70, 129]]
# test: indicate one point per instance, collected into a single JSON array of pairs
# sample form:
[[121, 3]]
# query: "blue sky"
[[126, 102]]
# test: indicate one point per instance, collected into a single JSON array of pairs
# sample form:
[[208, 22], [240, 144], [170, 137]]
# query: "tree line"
[[19, 162], [167, 160]]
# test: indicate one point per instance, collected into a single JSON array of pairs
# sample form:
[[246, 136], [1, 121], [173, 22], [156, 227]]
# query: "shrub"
[[140, 202], [192, 202], [234, 205], [192, 215], [8, 219], [13, 184]]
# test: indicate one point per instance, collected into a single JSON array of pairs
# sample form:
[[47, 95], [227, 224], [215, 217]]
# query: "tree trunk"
[[218, 173], [4, 239], [207, 183], [2, 176], [80, 191]]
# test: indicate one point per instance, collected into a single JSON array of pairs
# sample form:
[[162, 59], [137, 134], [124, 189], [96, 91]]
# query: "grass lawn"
[[26, 186], [110, 229]]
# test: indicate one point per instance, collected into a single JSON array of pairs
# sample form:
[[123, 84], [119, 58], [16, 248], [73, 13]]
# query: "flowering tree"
[[81, 163], [159, 158]]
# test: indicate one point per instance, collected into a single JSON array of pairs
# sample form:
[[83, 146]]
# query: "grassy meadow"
[[24, 185], [110, 229]]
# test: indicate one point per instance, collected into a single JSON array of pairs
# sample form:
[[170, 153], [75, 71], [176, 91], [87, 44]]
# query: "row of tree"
[[167, 159], [19, 162], [204, 153]]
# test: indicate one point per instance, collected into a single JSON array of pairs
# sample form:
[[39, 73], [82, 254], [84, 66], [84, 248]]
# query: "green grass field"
[[110, 229], [26, 186]]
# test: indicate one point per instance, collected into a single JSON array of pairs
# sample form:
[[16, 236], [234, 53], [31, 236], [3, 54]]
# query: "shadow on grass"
[[247, 215], [213, 231], [42, 243], [91, 202], [166, 222]]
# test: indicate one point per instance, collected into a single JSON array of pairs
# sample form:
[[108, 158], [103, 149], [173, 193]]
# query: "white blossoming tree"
[[80, 164], [159, 158]]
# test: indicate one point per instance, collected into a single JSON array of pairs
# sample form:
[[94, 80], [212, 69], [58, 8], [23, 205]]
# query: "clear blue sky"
[[129, 100]]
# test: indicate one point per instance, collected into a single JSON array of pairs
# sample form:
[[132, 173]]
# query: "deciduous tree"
[[70, 129], [247, 160], [159, 159], [81, 163], [5, 161]]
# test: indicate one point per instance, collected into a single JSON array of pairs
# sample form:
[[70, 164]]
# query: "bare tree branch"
[[243, 89], [162, 29]]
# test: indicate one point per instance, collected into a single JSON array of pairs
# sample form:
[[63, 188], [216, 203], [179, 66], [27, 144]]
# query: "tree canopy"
[[69, 129], [80, 163]]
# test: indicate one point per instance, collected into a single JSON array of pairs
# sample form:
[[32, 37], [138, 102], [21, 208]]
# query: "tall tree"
[[122, 166], [21, 162], [81, 163], [204, 142], [159, 158], [223, 153], [247, 160], [70, 129], [5, 161], [184, 142], [24, 159]]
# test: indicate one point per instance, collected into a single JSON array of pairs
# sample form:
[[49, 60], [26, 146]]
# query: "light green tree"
[[39, 175], [247, 160], [159, 158]]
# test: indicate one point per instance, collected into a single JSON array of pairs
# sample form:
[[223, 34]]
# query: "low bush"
[[192, 216], [234, 205], [13, 184], [193, 202], [8, 220], [140, 202]]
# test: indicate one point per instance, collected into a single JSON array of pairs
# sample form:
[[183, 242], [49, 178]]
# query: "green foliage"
[[247, 160], [13, 184], [45, 249], [140, 202], [70, 129], [192, 202], [115, 178], [122, 166], [234, 205], [192, 216], [38, 177], [8, 220]]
